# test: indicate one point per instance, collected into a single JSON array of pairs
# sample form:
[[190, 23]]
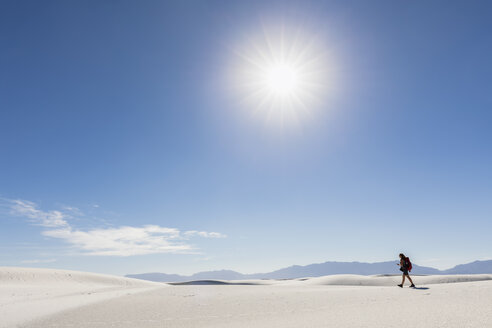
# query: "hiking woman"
[[405, 266]]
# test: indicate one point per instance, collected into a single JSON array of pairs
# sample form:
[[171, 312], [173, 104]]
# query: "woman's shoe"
[[412, 285], [400, 285]]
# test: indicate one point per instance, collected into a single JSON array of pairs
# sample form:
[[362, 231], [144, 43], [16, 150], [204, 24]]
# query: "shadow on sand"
[[209, 282], [421, 288]]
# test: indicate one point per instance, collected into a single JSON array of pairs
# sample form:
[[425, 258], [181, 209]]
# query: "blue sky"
[[125, 148]]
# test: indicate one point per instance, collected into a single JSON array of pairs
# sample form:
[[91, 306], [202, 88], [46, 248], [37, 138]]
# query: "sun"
[[282, 79], [281, 76]]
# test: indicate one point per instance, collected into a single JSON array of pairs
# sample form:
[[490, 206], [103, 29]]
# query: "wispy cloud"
[[30, 210], [204, 234], [73, 210], [119, 241], [123, 241]]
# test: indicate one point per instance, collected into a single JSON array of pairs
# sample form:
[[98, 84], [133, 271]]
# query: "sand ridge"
[[27, 293]]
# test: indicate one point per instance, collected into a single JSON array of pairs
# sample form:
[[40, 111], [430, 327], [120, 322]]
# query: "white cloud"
[[119, 241], [204, 234], [29, 209], [123, 241], [74, 210]]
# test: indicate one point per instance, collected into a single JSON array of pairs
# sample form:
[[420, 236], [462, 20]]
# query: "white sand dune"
[[27, 293], [346, 280], [392, 280], [55, 298]]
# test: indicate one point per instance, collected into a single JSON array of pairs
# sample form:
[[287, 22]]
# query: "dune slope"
[[26, 294]]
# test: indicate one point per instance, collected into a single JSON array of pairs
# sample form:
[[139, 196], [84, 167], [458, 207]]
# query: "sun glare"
[[282, 79], [281, 76]]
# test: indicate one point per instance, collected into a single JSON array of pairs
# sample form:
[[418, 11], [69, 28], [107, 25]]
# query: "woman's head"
[[402, 255]]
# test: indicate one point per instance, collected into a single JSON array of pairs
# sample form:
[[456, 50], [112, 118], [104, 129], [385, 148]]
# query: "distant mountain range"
[[317, 270]]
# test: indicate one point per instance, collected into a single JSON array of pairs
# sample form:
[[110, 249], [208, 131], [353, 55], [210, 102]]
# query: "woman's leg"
[[409, 279], [403, 279]]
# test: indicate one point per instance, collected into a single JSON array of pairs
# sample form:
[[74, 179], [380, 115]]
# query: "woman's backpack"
[[408, 264]]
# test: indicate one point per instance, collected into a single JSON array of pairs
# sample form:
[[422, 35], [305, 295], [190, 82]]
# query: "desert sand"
[[57, 298]]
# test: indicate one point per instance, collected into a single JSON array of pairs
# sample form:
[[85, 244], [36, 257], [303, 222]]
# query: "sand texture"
[[331, 301]]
